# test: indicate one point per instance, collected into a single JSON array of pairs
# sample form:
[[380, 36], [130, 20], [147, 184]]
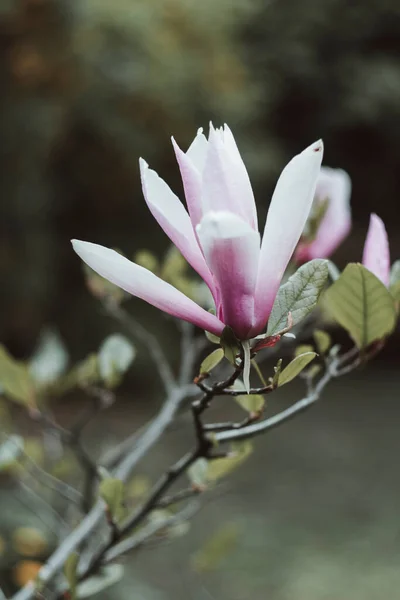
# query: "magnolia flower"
[[376, 255], [218, 235], [330, 216]]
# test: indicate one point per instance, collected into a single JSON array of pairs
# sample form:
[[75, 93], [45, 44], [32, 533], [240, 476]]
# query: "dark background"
[[88, 86]]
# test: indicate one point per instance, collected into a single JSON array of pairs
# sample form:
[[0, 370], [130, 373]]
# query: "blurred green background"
[[88, 86]]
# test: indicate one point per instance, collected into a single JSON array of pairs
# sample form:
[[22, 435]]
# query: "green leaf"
[[295, 367], [299, 296], [10, 451], [252, 403], [197, 473], [115, 356], [71, 575], [112, 491], [277, 372], [216, 549], [362, 305], [318, 212], [50, 358], [303, 348], [211, 361], [395, 273], [15, 379], [108, 575], [394, 286], [146, 259], [214, 339], [323, 341], [220, 467], [229, 344]]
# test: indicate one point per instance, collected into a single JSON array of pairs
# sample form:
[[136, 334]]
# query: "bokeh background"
[[88, 86]]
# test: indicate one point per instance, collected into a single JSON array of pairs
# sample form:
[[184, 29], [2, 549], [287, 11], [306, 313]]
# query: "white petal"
[[140, 282], [287, 216], [226, 184], [197, 151], [191, 178], [171, 215]]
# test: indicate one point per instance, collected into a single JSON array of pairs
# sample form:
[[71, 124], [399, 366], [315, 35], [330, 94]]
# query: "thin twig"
[[147, 532], [63, 489], [178, 497], [254, 429], [150, 436], [149, 340]]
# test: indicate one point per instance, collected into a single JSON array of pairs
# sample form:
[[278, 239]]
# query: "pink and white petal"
[[226, 186], [191, 166], [171, 215], [376, 255], [231, 248], [334, 185], [287, 216], [140, 282], [240, 180], [197, 151]]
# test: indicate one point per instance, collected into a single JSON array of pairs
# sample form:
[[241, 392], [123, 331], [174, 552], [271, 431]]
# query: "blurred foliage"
[[88, 86]]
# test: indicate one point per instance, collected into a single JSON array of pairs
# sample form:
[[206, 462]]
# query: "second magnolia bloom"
[[330, 218], [218, 235]]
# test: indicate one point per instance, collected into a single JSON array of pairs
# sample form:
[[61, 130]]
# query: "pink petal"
[[334, 184], [145, 285], [231, 248], [287, 216], [226, 184], [376, 256], [191, 166], [171, 215]]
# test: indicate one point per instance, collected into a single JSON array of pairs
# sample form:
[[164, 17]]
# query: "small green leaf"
[[277, 372], [323, 341], [214, 339], [362, 305], [295, 367], [299, 296], [252, 403], [116, 355], [10, 451], [394, 286], [216, 549], [221, 467], [112, 491], [87, 371], [395, 273], [211, 361], [146, 259], [229, 344], [71, 575], [197, 473], [50, 358], [15, 379], [108, 575], [318, 212], [303, 348]]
